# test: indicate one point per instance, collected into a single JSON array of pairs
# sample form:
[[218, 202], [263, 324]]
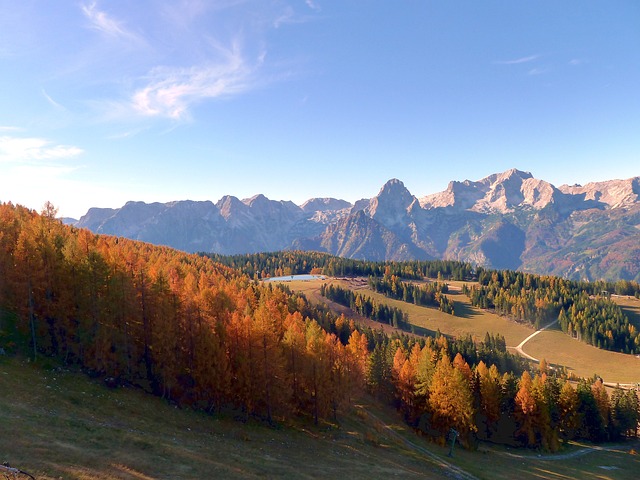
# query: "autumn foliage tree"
[[450, 400], [178, 325]]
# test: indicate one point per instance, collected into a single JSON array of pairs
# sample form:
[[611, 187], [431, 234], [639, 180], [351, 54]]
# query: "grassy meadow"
[[553, 345], [630, 306], [582, 359]]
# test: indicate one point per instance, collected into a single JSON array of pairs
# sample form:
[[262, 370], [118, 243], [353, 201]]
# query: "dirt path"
[[452, 469], [522, 343], [567, 456]]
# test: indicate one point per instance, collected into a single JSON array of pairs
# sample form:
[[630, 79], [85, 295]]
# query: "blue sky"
[[107, 101]]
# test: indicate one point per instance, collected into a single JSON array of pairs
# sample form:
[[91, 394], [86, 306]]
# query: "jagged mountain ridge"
[[505, 220]]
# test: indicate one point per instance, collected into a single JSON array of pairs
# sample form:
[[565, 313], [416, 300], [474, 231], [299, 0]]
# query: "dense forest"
[[181, 326], [366, 306], [203, 335], [430, 294], [536, 409], [275, 264]]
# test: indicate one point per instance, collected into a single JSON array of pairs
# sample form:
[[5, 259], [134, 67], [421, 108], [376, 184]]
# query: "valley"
[[554, 346]]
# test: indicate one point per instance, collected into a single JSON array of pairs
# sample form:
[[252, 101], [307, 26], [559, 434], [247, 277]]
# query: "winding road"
[[519, 347], [625, 386]]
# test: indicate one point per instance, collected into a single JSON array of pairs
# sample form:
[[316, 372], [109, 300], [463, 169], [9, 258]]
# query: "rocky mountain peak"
[[393, 186], [230, 205], [394, 193], [500, 192], [390, 207], [512, 175]]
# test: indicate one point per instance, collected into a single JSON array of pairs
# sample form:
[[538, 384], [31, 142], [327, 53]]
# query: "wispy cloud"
[[34, 150], [200, 51], [537, 71], [34, 170], [171, 91], [126, 134], [51, 101], [517, 61], [288, 16], [313, 5], [107, 25], [574, 62]]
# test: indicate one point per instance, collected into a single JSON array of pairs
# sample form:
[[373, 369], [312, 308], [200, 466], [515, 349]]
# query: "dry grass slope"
[[552, 345], [58, 424]]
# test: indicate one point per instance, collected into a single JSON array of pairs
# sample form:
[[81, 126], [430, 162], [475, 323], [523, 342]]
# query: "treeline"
[[436, 394], [275, 264], [582, 310], [619, 287], [430, 294], [365, 306], [178, 325]]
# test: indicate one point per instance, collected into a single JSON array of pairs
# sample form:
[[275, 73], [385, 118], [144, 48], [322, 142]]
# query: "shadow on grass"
[[424, 332], [552, 328], [464, 310]]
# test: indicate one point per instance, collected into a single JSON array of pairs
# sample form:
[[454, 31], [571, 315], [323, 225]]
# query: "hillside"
[[505, 220], [65, 426], [206, 337]]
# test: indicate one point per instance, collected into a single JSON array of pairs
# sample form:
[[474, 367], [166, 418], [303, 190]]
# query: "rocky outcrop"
[[497, 193], [611, 194]]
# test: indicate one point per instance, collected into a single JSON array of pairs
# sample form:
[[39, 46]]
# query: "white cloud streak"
[[313, 5], [517, 61], [105, 24], [171, 91], [52, 101], [537, 71], [34, 150], [34, 170], [209, 50]]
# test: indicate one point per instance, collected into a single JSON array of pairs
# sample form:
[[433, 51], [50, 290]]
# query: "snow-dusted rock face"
[[513, 189], [505, 220], [497, 193]]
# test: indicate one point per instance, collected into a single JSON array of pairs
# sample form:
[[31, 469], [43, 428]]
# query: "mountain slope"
[[505, 220]]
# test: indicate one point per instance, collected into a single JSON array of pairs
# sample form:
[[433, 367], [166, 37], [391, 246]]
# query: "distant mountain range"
[[508, 220]]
